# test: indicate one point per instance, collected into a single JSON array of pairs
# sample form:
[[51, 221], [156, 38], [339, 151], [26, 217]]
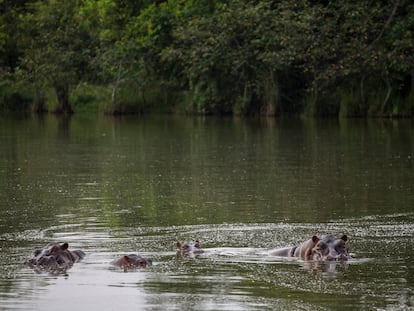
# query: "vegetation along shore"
[[270, 57]]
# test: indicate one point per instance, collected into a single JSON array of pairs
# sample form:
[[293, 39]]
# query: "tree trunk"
[[270, 95], [386, 25], [62, 94], [362, 100], [116, 86], [387, 97], [412, 82]]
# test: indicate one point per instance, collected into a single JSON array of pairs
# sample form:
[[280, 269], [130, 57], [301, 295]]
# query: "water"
[[113, 186]]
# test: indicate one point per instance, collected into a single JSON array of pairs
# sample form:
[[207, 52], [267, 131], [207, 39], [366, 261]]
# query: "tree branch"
[[386, 25]]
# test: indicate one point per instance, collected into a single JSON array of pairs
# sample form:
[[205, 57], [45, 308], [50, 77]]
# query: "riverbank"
[[98, 99]]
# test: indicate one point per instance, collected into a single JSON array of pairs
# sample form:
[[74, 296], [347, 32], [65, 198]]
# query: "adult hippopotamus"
[[132, 261], [54, 257], [326, 248], [331, 247], [188, 249]]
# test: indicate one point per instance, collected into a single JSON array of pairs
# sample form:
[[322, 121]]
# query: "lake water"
[[114, 186]]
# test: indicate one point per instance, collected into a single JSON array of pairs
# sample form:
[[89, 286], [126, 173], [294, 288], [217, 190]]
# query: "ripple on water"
[[235, 272]]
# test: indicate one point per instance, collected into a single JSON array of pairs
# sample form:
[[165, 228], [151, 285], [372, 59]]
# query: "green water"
[[112, 186]]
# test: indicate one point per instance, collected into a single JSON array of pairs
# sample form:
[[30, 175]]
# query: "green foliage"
[[87, 98], [14, 98], [350, 58], [58, 47]]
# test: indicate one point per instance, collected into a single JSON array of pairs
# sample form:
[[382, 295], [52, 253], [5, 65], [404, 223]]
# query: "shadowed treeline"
[[314, 58]]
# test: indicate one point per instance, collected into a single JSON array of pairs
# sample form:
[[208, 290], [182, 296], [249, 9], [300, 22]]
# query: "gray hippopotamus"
[[326, 248], [54, 257], [132, 261], [188, 249], [331, 247]]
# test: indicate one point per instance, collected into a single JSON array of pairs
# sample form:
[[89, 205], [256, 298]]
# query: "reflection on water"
[[117, 186]]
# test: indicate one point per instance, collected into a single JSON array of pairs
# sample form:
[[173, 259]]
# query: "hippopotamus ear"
[[64, 246], [344, 238], [315, 239], [178, 244]]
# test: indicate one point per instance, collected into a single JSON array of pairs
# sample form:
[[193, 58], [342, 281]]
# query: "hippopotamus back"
[[132, 261], [303, 250]]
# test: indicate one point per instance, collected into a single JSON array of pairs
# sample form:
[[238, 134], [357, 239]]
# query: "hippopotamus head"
[[54, 255], [331, 248], [132, 261], [188, 249], [320, 250]]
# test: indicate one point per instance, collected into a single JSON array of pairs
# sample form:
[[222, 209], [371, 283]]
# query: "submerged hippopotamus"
[[132, 261], [54, 257], [331, 248], [326, 248], [188, 249]]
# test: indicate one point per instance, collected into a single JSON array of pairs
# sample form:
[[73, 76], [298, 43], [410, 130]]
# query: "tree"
[[58, 47], [215, 56]]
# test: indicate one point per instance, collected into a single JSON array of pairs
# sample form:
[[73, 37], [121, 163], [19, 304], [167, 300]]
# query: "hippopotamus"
[[132, 261], [331, 248], [53, 257], [326, 248], [188, 249]]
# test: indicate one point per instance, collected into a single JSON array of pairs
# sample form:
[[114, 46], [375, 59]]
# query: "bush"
[[89, 98], [15, 98]]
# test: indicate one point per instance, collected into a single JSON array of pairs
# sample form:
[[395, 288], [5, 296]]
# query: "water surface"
[[113, 186]]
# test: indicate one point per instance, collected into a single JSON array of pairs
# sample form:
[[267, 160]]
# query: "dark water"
[[116, 186]]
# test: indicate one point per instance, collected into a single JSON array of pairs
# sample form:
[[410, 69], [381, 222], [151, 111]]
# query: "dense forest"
[[270, 57]]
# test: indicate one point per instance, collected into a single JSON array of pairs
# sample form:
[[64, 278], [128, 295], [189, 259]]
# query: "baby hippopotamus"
[[131, 262], [188, 249], [54, 257], [326, 248]]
